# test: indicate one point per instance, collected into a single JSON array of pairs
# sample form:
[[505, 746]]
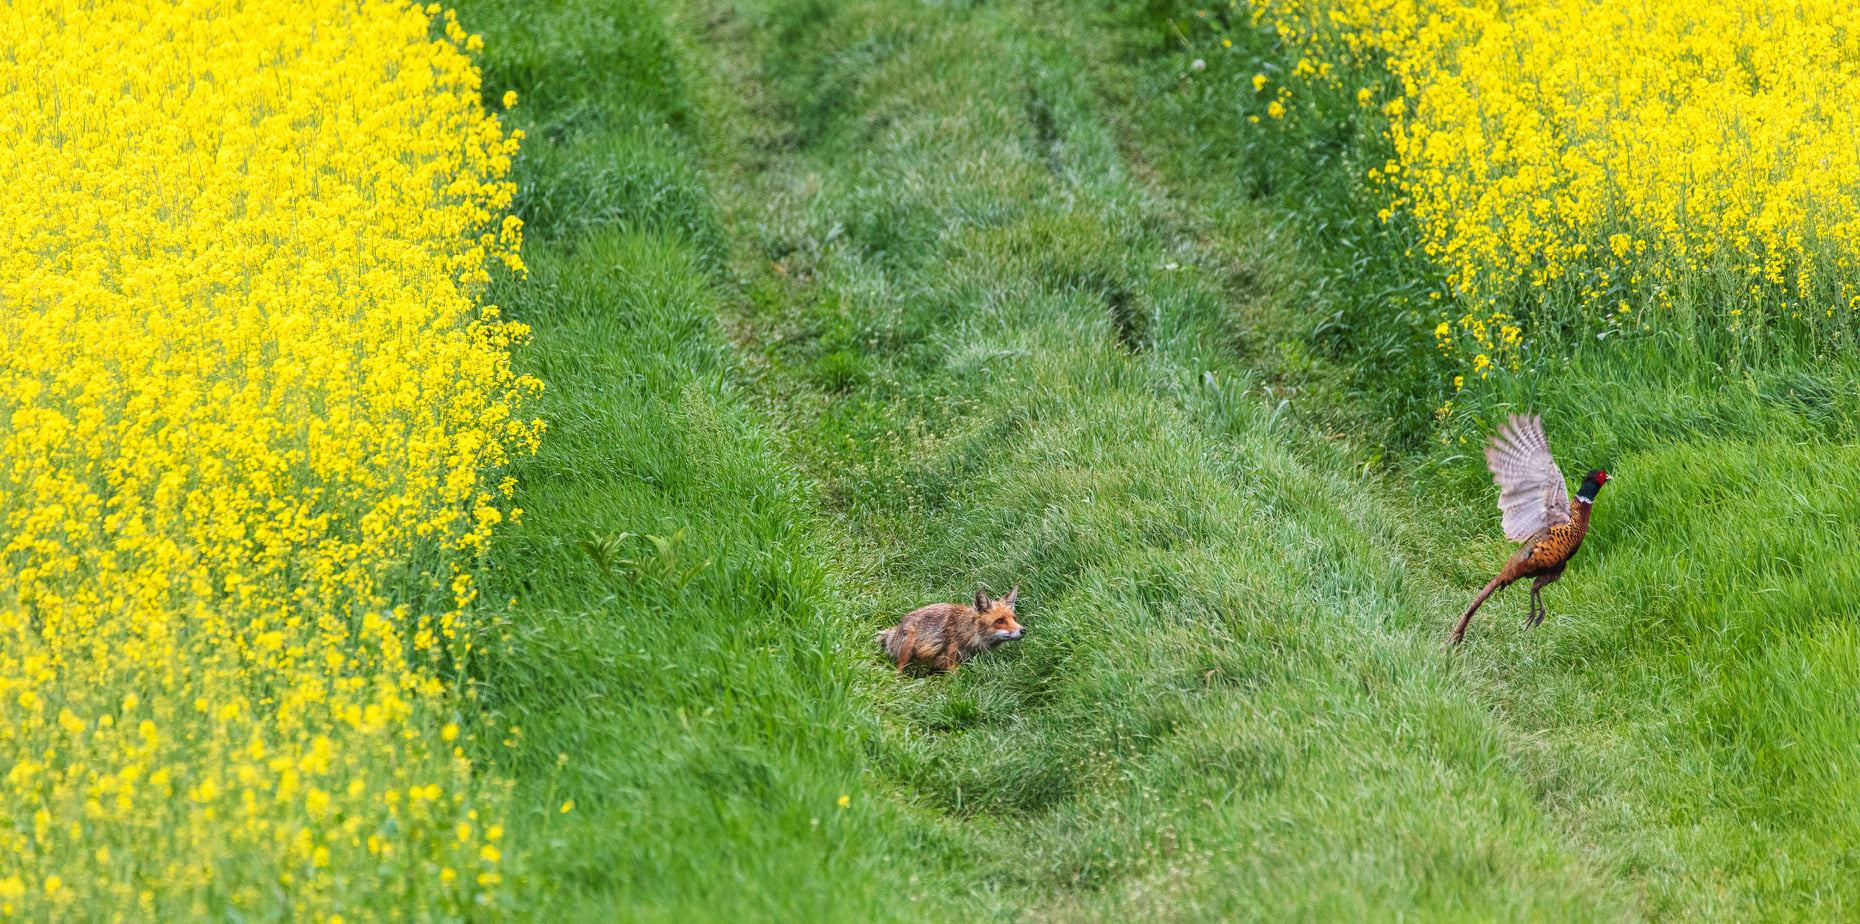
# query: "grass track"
[[855, 305], [964, 292]]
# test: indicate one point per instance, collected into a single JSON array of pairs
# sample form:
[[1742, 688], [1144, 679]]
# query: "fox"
[[947, 634]]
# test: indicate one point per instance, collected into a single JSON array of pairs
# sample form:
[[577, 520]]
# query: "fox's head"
[[995, 617]]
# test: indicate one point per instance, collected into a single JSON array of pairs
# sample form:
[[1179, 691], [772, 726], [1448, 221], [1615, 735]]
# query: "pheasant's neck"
[[1579, 513]]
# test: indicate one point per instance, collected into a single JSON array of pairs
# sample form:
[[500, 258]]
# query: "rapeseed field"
[[1572, 166], [252, 416]]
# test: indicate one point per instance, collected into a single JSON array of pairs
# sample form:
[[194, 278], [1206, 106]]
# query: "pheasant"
[[1537, 510]]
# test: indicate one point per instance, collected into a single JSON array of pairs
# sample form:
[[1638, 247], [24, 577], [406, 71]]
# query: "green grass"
[[848, 307], [1687, 708]]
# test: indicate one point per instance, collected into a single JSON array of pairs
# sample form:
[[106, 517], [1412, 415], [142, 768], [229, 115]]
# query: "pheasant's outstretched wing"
[[1531, 492]]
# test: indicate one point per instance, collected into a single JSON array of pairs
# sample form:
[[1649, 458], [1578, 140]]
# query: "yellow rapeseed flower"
[[1587, 156], [253, 411]]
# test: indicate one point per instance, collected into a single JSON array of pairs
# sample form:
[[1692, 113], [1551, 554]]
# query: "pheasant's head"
[[1592, 485]]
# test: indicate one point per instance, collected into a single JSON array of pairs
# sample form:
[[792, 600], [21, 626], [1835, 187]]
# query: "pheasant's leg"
[[1537, 588]]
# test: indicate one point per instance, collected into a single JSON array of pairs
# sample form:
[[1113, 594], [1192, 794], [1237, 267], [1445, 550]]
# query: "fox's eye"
[[1000, 622]]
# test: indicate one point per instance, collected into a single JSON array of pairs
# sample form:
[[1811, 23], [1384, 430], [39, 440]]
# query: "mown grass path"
[[997, 355], [846, 307]]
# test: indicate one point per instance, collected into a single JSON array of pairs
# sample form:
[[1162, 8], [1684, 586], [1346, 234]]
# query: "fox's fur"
[[947, 634]]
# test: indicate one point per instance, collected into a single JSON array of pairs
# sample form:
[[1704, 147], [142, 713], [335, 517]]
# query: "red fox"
[[947, 634]]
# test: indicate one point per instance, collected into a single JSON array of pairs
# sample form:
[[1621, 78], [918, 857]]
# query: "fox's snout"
[[1007, 633]]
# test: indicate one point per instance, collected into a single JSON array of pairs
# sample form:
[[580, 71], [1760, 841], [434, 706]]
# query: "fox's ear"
[[1012, 595], [981, 600]]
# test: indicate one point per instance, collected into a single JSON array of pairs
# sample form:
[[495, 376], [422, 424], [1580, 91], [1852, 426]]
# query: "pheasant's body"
[[1538, 511], [1552, 546]]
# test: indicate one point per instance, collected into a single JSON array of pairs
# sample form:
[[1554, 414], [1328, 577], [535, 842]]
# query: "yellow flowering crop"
[[251, 413], [1618, 163]]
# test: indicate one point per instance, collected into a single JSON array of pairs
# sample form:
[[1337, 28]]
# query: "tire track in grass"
[[694, 719]]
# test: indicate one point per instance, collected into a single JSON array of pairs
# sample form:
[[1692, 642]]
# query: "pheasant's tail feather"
[[1459, 631]]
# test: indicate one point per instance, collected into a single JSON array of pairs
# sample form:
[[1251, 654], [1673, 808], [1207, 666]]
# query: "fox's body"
[[1538, 512], [947, 634]]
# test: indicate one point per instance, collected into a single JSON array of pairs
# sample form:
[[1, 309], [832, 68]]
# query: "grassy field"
[[848, 307]]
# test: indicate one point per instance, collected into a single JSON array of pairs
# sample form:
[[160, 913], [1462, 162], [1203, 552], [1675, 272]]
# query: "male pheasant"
[[1537, 510]]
